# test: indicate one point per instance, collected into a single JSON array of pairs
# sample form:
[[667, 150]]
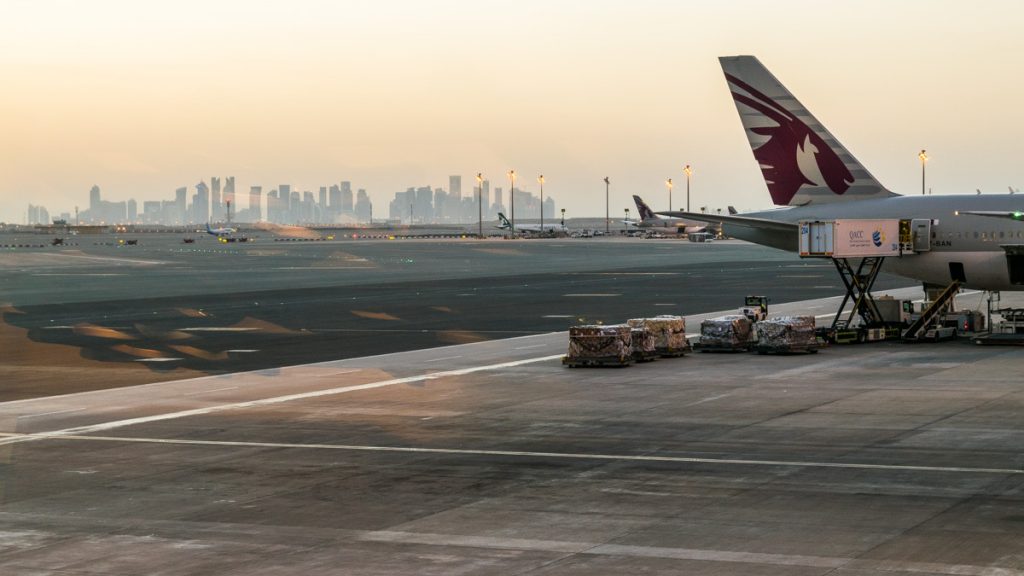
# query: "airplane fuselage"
[[976, 242]]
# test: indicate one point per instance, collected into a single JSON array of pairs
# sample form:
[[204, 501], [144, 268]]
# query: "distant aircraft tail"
[[800, 160], [644, 210], [733, 211], [504, 221]]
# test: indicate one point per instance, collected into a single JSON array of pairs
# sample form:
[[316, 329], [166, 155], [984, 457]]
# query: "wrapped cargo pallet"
[[725, 333], [610, 345], [669, 333], [643, 345], [787, 334]]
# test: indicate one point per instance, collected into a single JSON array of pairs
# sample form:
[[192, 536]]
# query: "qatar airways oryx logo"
[[793, 155]]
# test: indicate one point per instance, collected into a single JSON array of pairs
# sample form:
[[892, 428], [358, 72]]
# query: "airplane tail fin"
[[504, 221], [800, 160], [644, 210]]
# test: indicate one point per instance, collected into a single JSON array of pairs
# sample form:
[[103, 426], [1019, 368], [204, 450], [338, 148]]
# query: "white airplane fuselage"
[[976, 242]]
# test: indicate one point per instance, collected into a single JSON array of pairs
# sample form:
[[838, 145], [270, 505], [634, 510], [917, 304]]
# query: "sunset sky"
[[144, 97]]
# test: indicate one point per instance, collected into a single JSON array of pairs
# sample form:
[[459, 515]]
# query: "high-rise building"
[[255, 203], [284, 197], [229, 193], [363, 208], [201, 204], [308, 212], [133, 210], [441, 200], [216, 207], [455, 187], [334, 196], [179, 206], [346, 197], [485, 196], [499, 204], [94, 198]]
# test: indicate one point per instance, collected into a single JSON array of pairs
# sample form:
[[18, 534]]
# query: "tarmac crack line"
[[79, 430], [79, 436]]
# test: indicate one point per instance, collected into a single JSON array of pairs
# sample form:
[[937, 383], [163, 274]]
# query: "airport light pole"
[[669, 184], [627, 216], [480, 204], [512, 200], [541, 180], [563, 217], [607, 224], [688, 172], [924, 160]]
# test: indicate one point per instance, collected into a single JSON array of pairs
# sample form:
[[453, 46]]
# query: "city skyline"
[[132, 96], [333, 204]]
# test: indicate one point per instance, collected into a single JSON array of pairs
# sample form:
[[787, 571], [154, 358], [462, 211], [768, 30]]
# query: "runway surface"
[[400, 408], [492, 458], [99, 314]]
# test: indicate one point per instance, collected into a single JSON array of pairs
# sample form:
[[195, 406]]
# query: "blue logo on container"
[[877, 238]]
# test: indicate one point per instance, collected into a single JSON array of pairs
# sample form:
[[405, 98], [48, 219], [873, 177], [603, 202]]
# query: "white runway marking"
[[158, 359], [699, 554], [77, 434], [710, 399], [269, 401], [442, 359], [52, 413], [218, 329], [201, 392], [529, 347], [339, 373], [590, 295], [78, 274], [103, 258]]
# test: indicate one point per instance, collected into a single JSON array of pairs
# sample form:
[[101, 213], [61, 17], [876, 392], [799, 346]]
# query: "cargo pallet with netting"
[[786, 335], [725, 334], [599, 346], [669, 333]]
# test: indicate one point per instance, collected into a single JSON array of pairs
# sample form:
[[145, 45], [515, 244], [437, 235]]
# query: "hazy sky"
[[143, 97]]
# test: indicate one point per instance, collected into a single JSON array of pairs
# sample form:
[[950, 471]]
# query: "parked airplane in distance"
[[670, 225], [976, 240], [555, 228], [221, 231]]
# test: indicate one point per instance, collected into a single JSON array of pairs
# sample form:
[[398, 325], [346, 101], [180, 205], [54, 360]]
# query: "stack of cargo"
[[787, 334], [643, 344], [725, 333], [599, 346], [669, 333]]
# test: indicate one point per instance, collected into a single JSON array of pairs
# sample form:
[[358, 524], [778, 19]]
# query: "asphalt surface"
[[492, 458], [487, 456], [99, 314]]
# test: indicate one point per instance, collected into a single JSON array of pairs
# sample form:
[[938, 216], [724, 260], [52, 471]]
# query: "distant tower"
[[454, 197], [363, 208], [201, 203], [94, 198], [215, 204], [256, 203], [229, 192]]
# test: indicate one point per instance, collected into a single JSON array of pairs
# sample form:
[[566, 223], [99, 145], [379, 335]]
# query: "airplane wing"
[[736, 220], [1015, 215]]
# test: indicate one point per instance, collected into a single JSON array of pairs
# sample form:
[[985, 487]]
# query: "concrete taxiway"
[[492, 458], [101, 315]]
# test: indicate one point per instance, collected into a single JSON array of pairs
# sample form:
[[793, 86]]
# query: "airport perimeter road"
[[101, 316], [492, 458]]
